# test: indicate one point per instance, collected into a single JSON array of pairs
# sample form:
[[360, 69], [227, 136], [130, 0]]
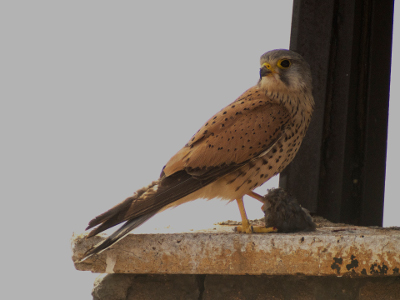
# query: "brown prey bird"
[[238, 149]]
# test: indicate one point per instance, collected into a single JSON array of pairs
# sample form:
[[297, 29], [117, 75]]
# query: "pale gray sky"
[[96, 97], [392, 203]]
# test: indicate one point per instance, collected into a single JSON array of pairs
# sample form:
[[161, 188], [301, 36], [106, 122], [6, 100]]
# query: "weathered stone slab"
[[132, 287], [246, 287], [114, 287], [300, 287], [355, 251]]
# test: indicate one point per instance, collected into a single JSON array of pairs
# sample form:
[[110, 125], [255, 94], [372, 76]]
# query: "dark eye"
[[284, 63]]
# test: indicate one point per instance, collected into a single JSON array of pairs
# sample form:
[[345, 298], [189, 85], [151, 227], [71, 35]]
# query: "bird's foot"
[[260, 229], [255, 229], [244, 229]]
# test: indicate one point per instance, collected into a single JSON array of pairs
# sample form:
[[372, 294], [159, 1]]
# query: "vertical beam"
[[376, 115], [311, 37], [339, 171]]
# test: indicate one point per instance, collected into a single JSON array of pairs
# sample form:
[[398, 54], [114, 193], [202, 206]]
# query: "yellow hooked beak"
[[266, 69]]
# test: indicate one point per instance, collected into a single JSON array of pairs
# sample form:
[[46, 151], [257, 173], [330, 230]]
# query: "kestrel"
[[238, 149]]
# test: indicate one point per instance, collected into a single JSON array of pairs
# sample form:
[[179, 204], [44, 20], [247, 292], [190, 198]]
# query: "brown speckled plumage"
[[235, 151]]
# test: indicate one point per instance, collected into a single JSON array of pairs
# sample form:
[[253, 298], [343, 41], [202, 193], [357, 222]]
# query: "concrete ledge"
[[354, 251]]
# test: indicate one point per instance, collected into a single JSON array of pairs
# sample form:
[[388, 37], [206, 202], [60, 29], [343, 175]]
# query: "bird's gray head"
[[284, 69]]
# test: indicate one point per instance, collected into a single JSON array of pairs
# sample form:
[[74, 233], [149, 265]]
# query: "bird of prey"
[[235, 151]]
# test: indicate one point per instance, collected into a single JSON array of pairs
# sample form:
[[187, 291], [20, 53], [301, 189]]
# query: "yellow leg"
[[246, 227]]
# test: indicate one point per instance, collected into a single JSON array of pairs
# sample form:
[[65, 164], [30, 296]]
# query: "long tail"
[[146, 202], [143, 205], [117, 235], [121, 212]]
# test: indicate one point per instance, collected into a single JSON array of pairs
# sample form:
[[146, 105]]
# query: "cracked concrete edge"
[[351, 251]]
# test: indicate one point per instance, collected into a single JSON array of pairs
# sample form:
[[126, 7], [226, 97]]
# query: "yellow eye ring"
[[284, 63]]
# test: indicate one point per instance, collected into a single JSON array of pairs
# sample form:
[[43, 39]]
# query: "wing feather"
[[236, 134]]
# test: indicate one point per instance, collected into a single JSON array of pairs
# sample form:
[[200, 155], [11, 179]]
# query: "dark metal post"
[[339, 172]]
